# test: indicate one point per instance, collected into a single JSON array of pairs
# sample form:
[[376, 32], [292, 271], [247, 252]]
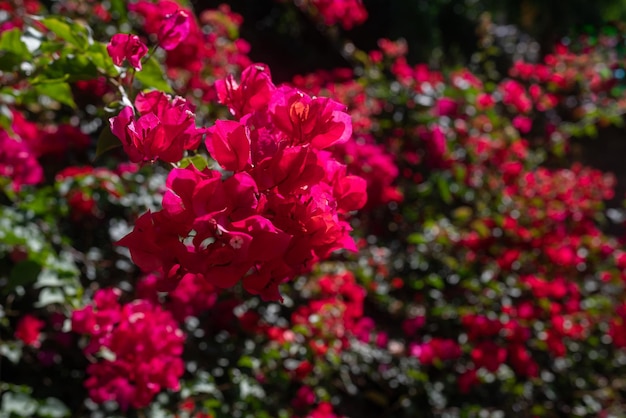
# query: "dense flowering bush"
[[181, 235]]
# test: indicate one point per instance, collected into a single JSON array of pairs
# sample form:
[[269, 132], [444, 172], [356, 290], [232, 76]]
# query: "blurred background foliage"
[[443, 33]]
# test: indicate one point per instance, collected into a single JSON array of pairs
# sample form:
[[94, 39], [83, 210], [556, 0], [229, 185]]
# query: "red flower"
[[18, 162], [319, 121], [174, 29], [165, 129], [467, 380], [126, 46], [28, 330], [252, 93], [229, 143], [144, 343], [489, 355]]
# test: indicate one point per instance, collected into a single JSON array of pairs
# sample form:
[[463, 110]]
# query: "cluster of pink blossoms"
[[347, 13], [139, 345], [208, 50], [362, 155], [278, 205], [164, 129], [21, 149]]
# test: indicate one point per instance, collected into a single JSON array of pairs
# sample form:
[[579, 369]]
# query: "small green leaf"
[[151, 76], [61, 92], [99, 56], [444, 189], [72, 32], [106, 141], [246, 362], [416, 238], [198, 161]]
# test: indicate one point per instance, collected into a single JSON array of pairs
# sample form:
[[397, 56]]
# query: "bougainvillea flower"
[[164, 130], [176, 113], [283, 209], [126, 46], [28, 330], [175, 29], [289, 169], [146, 139], [229, 143], [318, 121], [145, 345], [153, 243], [18, 162], [252, 93]]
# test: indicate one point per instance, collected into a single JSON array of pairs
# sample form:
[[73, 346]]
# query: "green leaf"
[[246, 362], [151, 76], [119, 11], [13, 50], [444, 189], [72, 32], [416, 238], [198, 161], [11, 41], [106, 141], [23, 273], [99, 56], [70, 66], [61, 92]]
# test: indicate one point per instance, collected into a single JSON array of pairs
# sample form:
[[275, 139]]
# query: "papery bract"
[[28, 330], [174, 29], [229, 143], [164, 129], [318, 121], [129, 47], [252, 93]]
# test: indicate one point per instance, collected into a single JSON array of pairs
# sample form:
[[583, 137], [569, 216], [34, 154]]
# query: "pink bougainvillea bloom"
[[319, 121], [175, 29], [146, 138], [467, 380], [445, 106], [323, 410], [28, 330], [145, 344], [229, 143], [347, 13], [129, 47], [18, 162], [164, 129], [252, 93], [175, 113]]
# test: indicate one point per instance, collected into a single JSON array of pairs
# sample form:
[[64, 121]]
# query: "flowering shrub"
[[182, 235]]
